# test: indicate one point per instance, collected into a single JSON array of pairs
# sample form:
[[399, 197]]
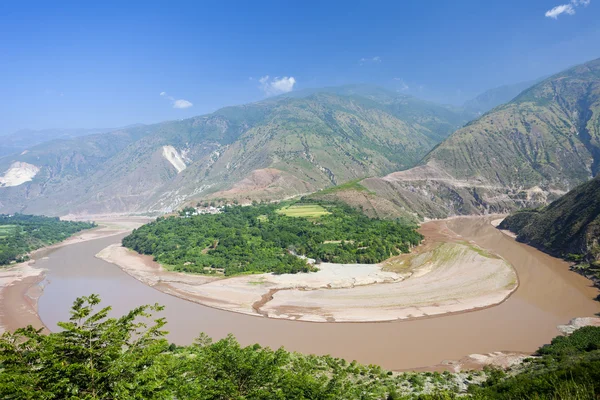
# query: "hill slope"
[[272, 149], [525, 153], [570, 226]]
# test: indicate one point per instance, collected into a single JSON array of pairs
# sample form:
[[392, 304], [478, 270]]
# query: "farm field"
[[304, 211], [6, 230]]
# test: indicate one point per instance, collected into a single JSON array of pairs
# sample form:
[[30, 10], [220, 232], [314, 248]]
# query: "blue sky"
[[105, 64]]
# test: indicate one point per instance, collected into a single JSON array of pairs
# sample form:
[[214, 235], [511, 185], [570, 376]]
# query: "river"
[[549, 295]]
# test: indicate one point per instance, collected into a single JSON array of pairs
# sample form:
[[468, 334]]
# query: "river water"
[[549, 295]]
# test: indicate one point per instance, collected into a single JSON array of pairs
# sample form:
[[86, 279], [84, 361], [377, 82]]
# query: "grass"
[[352, 185], [480, 251], [6, 230], [442, 253], [304, 211]]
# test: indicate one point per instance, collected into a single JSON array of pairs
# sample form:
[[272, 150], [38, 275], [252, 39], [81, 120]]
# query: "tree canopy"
[[20, 234], [97, 356], [260, 238]]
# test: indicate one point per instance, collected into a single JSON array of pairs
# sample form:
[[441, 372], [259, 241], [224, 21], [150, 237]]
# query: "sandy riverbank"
[[19, 292], [20, 284], [444, 275]]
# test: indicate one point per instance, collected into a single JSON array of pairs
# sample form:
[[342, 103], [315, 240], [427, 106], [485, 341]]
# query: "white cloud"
[[558, 10], [372, 60], [274, 86], [568, 9], [180, 103]]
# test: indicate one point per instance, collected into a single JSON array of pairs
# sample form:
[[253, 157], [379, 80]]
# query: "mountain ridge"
[[525, 153], [312, 141]]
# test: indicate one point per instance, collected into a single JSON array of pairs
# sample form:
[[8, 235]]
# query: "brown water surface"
[[549, 295]]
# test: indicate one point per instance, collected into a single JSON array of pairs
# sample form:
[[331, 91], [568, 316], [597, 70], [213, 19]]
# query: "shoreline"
[[20, 284], [464, 360], [19, 294], [468, 280]]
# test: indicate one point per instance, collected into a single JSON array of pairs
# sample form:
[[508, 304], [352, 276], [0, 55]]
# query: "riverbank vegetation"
[[568, 368], [21, 234], [270, 237], [97, 357], [568, 227]]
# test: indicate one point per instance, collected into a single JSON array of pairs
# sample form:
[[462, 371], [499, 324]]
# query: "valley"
[[548, 295], [340, 200]]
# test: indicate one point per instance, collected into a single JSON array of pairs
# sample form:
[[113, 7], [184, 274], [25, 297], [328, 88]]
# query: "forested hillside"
[[269, 238], [20, 234], [97, 357], [569, 227], [272, 149]]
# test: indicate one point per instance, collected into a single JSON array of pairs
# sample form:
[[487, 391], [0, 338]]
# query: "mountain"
[[276, 148], [525, 153], [568, 227], [20, 140], [494, 97]]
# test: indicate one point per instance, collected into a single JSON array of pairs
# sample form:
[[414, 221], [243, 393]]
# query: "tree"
[[94, 357]]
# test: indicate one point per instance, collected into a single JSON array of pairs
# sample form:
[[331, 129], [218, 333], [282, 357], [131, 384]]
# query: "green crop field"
[[304, 211], [6, 230]]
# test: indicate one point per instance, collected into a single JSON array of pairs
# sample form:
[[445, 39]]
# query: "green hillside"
[[276, 148], [525, 153], [569, 227], [549, 136]]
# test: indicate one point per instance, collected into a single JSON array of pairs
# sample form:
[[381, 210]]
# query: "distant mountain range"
[[23, 139], [494, 97], [392, 155], [524, 153], [276, 148]]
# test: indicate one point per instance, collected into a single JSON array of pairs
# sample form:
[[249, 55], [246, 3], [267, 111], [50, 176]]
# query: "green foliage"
[[95, 356], [259, 238], [569, 368], [352, 185], [585, 339], [20, 234]]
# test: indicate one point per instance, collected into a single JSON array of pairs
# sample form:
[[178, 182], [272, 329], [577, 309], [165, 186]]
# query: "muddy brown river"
[[549, 295]]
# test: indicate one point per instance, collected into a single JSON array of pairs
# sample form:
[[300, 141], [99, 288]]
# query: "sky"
[[100, 64]]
